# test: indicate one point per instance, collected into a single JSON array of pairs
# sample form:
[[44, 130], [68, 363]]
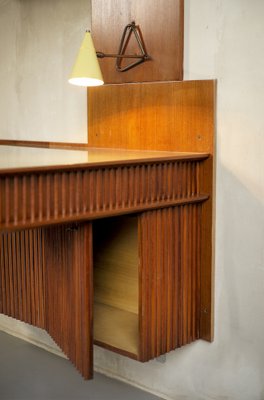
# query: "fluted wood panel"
[[170, 279], [46, 281], [33, 199], [69, 292], [22, 276]]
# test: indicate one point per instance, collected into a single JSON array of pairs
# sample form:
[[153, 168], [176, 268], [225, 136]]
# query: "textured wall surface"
[[39, 41], [224, 39]]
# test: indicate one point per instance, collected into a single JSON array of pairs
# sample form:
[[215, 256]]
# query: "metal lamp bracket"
[[140, 58]]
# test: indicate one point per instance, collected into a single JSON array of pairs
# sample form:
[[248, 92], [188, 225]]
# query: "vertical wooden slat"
[[207, 252], [179, 277], [198, 332], [112, 192], [164, 283], [184, 275], [15, 271], [105, 189], [27, 277], [2, 280]]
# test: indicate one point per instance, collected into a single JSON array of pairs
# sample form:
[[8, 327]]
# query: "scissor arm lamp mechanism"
[[128, 31]]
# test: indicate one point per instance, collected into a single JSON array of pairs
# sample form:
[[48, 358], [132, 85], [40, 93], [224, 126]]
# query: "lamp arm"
[[103, 55], [123, 44]]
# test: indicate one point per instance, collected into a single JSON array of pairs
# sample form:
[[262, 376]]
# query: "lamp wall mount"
[[162, 27], [129, 29]]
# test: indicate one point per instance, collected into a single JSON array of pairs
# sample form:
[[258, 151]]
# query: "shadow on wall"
[[240, 272]]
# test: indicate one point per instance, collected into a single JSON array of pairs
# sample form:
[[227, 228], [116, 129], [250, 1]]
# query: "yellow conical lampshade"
[[86, 71]]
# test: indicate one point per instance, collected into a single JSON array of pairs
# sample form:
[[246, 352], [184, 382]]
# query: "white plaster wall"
[[224, 39], [39, 41]]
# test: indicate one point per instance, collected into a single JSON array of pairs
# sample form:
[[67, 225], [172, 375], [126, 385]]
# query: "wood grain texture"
[[161, 26], [69, 292], [175, 198], [116, 262], [22, 160], [22, 276], [46, 281], [116, 329], [207, 175], [171, 116], [169, 279], [41, 198]]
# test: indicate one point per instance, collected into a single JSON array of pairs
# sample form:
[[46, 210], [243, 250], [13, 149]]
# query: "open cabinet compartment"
[[116, 284], [147, 271]]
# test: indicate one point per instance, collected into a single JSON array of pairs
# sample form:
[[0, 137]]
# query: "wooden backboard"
[[161, 26]]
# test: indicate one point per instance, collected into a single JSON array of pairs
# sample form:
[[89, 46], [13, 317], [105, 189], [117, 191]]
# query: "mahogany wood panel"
[[171, 116], [161, 26], [46, 280], [69, 292], [170, 261], [207, 175], [47, 197]]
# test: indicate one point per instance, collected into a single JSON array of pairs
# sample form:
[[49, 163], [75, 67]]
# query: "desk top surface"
[[18, 158]]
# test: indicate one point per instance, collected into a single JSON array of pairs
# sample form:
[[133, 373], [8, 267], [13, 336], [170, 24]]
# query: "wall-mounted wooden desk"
[[131, 218]]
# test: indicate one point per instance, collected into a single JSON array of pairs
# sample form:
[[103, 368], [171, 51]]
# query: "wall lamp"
[[86, 70]]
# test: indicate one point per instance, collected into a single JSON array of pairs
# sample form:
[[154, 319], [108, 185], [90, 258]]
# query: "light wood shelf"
[[116, 282], [116, 328]]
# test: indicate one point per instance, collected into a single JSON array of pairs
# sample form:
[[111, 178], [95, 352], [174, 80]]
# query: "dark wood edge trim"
[[106, 213], [47, 145], [208, 253], [116, 350]]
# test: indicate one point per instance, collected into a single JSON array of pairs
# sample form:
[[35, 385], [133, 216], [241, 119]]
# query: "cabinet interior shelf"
[[116, 328], [116, 278]]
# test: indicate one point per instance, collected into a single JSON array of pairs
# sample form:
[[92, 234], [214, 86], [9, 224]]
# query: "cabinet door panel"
[[169, 279]]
